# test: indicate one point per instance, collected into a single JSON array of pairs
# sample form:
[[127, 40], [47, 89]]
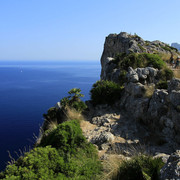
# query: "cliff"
[[126, 43], [134, 111]]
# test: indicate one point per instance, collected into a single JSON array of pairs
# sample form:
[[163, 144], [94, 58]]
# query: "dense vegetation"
[[105, 92], [59, 115], [140, 168], [62, 154], [134, 60], [123, 61]]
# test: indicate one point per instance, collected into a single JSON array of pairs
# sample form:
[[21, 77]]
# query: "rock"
[[58, 105], [171, 169], [174, 97], [158, 105], [163, 156], [102, 138], [127, 43], [100, 120], [167, 122], [174, 84], [144, 75], [132, 76], [135, 89]]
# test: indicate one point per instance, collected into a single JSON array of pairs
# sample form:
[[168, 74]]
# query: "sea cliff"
[[129, 129]]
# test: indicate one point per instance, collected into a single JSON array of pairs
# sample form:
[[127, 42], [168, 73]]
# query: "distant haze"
[[176, 45]]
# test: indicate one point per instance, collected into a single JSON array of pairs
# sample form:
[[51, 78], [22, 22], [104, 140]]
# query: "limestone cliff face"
[[141, 98], [124, 42]]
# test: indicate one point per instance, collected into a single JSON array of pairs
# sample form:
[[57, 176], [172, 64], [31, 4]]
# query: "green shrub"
[[49, 163], [153, 60], [141, 47], [122, 77], [53, 115], [69, 157], [166, 74], [105, 92], [140, 168], [134, 60], [162, 85], [67, 136], [74, 101]]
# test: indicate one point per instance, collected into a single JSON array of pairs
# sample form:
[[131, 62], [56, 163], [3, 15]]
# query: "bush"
[[105, 92], [162, 85], [74, 101], [49, 163], [154, 60], [69, 157], [59, 115], [134, 60], [122, 77], [54, 115], [140, 168], [166, 74], [67, 136]]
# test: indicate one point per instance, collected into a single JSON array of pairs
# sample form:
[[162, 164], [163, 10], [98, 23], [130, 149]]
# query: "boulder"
[[174, 84], [158, 105], [171, 169], [103, 137], [135, 89], [174, 97]]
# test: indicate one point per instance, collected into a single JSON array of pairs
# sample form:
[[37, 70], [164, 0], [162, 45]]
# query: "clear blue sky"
[[76, 29]]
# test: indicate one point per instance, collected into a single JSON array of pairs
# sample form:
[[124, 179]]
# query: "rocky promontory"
[[129, 129]]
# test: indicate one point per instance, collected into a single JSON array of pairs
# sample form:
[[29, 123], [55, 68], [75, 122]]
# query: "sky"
[[76, 29]]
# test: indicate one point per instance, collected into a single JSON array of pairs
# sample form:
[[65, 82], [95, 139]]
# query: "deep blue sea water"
[[28, 89]]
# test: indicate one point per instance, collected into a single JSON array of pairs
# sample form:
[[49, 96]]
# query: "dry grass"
[[149, 90], [111, 166], [177, 73], [73, 114]]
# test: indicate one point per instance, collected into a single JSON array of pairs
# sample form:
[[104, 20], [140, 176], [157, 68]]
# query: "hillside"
[[129, 129]]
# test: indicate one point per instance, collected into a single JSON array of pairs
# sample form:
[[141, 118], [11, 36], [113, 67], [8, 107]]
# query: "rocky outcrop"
[[145, 75], [171, 169], [127, 43]]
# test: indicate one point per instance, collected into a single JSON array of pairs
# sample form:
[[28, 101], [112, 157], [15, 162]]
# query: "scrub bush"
[[62, 154], [140, 168], [135, 60], [73, 100], [105, 92], [162, 85], [67, 136]]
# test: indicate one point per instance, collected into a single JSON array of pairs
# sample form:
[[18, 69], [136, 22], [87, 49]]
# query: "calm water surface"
[[29, 89]]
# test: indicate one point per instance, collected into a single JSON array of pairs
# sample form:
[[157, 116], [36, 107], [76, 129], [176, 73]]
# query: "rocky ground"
[[116, 133]]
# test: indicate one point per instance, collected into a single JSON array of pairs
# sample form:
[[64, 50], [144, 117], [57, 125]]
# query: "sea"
[[27, 90]]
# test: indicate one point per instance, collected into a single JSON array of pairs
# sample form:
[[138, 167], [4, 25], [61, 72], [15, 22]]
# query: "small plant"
[[105, 92], [140, 168], [166, 74], [162, 85], [74, 101]]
